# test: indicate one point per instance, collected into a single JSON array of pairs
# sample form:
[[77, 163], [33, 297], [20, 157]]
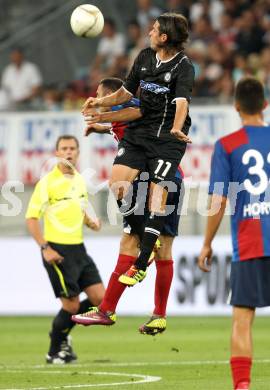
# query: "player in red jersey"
[[240, 171], [129, 112], [129, 245]]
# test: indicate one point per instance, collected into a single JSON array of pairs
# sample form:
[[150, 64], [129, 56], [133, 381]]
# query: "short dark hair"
[[133, 22], [111, 83], [66, 137], [18, 49], [110, 22], [249, 94], [175, 26]]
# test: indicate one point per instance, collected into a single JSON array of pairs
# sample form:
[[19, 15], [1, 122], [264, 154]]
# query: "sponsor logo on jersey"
[[121, 151], [152, 87], [168, 77]]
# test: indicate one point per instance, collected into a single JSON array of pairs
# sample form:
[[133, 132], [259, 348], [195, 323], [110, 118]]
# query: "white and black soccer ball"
[[87, 21]]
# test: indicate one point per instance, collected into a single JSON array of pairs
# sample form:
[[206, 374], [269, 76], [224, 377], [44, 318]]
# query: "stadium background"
[[229, 39]]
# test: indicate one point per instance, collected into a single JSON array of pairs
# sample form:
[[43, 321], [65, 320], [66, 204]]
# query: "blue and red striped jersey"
[[240, 170], [118, 128]]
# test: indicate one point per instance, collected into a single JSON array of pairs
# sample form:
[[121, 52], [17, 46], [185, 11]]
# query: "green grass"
[[191, 355]]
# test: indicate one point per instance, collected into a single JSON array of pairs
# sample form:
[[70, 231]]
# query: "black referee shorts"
[[76, 272], [158, 157], [250, 283]]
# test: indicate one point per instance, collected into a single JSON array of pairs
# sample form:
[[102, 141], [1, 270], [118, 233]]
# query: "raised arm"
[[124, 115], [96, 128], [118, 97]]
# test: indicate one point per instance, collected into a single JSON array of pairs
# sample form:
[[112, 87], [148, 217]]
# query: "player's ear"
[[265, 104], [164, 37], [237, 106], [56, 153]]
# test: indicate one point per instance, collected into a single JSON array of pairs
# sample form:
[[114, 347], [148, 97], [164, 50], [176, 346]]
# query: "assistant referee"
[[61, 199]]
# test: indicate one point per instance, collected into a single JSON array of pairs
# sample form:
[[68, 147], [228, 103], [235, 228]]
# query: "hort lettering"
[[256, 209]]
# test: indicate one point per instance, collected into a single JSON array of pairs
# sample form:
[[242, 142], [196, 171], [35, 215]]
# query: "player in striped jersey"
[[240, 171]]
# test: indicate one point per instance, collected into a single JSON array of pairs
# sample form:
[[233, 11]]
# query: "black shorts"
[[174, 199], [158, 157], [250, 283], [76, 272]]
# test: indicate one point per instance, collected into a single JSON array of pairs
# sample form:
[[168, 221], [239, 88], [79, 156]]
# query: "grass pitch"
[[192, 354]]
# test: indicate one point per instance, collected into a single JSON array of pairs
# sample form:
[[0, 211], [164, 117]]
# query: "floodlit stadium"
[[50, 65]]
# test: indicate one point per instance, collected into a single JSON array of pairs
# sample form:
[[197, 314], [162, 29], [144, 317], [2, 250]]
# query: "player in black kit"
[[156, 142]]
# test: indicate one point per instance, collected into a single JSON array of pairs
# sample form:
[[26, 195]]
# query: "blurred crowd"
[[228, 39]]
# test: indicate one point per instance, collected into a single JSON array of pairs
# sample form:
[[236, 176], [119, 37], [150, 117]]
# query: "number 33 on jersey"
[[240, 170]]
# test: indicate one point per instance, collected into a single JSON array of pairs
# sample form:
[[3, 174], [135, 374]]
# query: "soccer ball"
[[87, 21]]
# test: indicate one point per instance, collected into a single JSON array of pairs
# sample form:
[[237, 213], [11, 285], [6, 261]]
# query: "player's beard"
[[164, 47], [156, 46]]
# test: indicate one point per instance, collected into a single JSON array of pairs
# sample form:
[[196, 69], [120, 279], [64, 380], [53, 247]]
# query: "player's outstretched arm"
[[118, 97], [179, 120], [216, 209], [96, 128], [124, 115]]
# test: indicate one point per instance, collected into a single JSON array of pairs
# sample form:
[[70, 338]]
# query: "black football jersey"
[[160, 83]]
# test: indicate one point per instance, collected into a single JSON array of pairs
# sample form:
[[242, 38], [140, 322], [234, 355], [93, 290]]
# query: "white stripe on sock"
[[151, 230]]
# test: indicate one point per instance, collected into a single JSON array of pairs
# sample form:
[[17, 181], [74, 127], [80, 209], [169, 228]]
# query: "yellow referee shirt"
[[61, 200]]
